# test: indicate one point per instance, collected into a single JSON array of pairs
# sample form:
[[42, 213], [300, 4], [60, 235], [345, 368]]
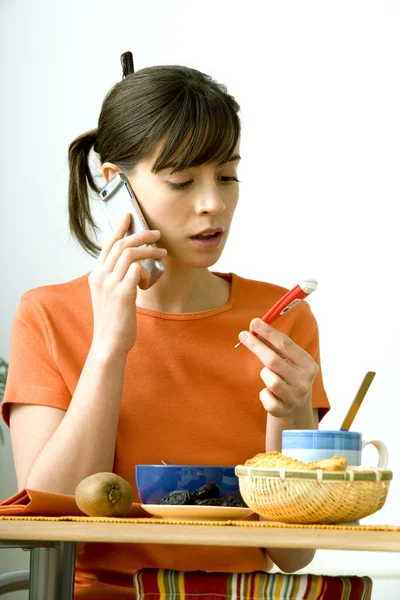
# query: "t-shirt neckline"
[[200, 314]]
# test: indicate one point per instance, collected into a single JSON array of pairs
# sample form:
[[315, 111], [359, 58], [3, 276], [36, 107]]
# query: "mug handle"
[[382, 450]]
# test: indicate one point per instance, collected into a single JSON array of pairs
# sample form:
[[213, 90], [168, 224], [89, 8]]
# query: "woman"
[[106, 373]]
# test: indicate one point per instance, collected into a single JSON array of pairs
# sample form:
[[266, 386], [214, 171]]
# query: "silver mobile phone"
[[118, 198]]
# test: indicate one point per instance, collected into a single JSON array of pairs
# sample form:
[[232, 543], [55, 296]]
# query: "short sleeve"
[[33, 376], [306, 335]]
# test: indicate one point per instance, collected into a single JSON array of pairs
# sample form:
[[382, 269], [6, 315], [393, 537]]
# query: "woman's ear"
[[109, 170]]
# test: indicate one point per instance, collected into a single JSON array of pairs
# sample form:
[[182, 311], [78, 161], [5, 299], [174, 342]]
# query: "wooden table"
[[222, 535], [52, 543]]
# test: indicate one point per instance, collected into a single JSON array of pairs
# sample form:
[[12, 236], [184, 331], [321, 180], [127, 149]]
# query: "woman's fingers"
[[132, 241], [269, 357], [117, 234], [136, 275], [144, 279], [120, 253], [279, 389], [289, 371], [273, 405], [274, 383], [113, 285], [131, 255], [280, 342], [117, 243]]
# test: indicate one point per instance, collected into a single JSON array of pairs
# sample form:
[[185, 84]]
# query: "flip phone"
[[118, 198]]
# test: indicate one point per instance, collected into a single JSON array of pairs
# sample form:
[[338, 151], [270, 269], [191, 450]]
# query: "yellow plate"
[[190, 512]]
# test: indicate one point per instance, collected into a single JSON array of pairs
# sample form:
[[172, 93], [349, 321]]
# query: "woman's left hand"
[[288, 372]]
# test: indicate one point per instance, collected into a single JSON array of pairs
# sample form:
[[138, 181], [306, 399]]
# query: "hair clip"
[[127, 64]]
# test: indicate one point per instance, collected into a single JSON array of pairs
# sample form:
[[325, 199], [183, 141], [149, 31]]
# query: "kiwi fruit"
[[104, 495]]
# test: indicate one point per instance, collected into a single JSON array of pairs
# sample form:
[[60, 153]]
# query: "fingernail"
[[243, 336], [256, 324], [163, 250]]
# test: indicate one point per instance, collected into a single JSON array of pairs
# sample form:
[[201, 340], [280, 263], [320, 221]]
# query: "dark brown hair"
[[171, 104]]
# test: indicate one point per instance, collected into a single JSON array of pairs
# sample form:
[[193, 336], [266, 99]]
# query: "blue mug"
[[309, 445]]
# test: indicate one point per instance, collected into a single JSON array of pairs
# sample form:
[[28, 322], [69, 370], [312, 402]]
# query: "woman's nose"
[[210, 200]]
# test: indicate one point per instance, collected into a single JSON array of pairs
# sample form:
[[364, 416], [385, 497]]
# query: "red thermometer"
[[290, 299]]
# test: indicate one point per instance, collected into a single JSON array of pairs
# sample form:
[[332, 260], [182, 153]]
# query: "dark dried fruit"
[[207, 495], [178, 497], [224, 501], [210, 490], [232, 501]]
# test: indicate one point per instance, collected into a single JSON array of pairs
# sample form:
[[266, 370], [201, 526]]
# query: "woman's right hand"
[[113, 284]]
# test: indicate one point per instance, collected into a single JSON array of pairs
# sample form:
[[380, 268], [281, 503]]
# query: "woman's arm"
[[290, 559], [288, 374], [53, 449], [304, 419]]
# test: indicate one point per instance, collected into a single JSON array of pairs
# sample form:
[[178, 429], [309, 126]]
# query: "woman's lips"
[[207, 243]]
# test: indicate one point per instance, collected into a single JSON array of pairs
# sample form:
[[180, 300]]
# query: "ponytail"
[[80, 176]]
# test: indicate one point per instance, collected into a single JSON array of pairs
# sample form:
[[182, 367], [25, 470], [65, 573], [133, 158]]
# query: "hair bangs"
[[204, 130]]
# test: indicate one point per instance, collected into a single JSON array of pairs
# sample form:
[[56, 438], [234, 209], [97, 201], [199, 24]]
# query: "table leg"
[[52, 572]]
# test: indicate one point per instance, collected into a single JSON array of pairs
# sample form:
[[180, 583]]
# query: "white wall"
[[319, 90]]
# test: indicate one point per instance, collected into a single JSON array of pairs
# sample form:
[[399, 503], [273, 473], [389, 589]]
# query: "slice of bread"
[[276, 460], [336, 463]]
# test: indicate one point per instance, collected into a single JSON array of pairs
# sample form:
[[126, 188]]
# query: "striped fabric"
[[161, 584]]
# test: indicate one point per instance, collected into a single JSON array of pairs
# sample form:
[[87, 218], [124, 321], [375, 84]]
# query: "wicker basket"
[[314, 496]]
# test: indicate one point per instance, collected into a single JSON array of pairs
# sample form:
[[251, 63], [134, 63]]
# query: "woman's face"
[[184, 204]]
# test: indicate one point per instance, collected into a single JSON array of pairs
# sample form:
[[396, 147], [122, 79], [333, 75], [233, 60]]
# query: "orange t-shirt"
[[189, 397]]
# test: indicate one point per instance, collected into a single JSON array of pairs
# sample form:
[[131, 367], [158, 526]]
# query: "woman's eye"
[[186, 184], [229, 179], [178, 186]]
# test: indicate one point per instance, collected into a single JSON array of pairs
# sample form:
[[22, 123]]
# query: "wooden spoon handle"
[[355, 405]]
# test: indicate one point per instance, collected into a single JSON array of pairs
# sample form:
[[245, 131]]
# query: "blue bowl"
[[153, 482]]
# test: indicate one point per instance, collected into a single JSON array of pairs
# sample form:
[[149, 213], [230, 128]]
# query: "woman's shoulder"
[[56, 296], [255, 288]]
